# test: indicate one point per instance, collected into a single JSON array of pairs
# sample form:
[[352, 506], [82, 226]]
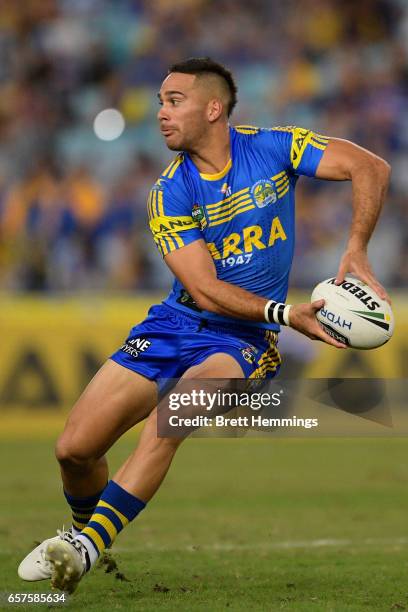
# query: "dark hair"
[[205, 65]]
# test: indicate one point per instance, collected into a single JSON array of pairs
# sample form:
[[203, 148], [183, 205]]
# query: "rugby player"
[[222, 216]]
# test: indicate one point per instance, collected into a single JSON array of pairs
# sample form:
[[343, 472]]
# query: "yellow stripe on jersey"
[[230, 211], [149, 206], [169, 167], [278, 176], [162, 246], [155, 208], [281, 181], [167, 244], [238, 212], [160, 206], [284, 192], [225, 200], [318, 145], [246, 129], [228, 205], [283, 128], [282, 185], [247, 199], [175, 166], [171, 242], [178, 240], [154, 203], [320, 142], [172, 167], [320, 138]]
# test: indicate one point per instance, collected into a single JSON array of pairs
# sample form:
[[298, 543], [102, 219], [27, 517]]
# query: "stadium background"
[[77, 264]]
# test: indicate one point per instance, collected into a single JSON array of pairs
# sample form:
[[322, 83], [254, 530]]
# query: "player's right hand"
[[302, 317]]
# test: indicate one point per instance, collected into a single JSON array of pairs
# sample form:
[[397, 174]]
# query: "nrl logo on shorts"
[[263, 192], [198, 215], [248, 354]]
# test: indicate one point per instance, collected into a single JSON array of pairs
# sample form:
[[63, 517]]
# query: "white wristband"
[[277, 312], [266, 310], [286, 313]]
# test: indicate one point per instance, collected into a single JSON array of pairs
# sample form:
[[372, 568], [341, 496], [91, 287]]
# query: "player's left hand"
[[357, 263], [302, 317]]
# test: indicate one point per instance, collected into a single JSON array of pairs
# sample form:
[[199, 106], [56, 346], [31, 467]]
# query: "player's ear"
[[214, 109]]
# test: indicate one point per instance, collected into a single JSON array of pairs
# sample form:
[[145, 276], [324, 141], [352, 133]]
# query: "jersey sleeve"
[[298, 149], [169, 208]]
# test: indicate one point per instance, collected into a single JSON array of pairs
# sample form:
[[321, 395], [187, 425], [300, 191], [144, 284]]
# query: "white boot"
[[35, 566], [69, 560]]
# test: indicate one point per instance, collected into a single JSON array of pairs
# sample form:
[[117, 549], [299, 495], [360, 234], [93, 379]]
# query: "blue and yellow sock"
[[82, 509], [115, 509]]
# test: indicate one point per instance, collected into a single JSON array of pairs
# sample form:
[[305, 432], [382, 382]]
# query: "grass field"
[[240, 524]]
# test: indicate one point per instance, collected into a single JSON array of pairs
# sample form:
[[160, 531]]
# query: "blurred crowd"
[[72, 207]]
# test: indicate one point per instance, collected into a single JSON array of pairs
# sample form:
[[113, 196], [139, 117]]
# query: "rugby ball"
[[353, 313]]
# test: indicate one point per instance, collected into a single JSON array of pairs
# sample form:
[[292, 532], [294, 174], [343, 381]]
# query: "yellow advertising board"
[[50, 348]]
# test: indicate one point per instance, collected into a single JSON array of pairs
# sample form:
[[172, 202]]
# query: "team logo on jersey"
[[264, 193], [198, 215], [226, 189]]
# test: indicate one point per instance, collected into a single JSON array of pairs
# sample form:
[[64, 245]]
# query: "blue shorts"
[[169, 341]]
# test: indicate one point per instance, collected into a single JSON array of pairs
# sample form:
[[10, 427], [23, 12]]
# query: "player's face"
[[182, 115]]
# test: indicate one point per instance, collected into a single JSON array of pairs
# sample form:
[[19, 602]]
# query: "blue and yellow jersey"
[[245, 213]]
